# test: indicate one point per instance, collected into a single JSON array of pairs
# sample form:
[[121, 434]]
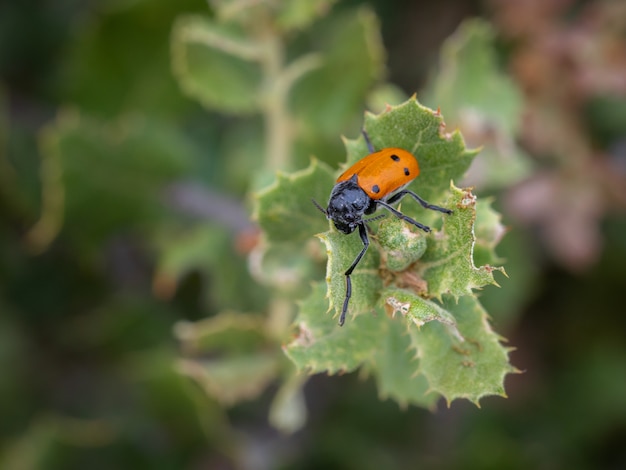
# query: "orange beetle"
[[383, 172], [376, 180]]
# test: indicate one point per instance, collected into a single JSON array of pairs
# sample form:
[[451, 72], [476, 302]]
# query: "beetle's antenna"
[[370, 147], [322, 210]]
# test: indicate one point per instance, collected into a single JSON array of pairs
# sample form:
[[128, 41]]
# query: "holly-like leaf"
[[323, 346], [395, 368], [472, 365], [366, 282], [429, 346], [401, 245], [285, 211], [448, 264], [416, 310]]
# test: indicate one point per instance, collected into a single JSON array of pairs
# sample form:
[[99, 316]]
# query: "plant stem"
[[278, 131]]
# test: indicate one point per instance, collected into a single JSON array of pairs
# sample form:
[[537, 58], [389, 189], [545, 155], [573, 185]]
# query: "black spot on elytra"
[[395, 158], [406, 172], [375, 189]]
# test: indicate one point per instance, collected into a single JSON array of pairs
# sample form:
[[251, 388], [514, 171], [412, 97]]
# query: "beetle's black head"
[[347, 205]]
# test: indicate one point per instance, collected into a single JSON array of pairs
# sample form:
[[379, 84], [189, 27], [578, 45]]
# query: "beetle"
[[377, 180]]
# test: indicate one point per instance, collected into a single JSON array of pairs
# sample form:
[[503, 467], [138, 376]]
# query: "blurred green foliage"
[[128, 263]]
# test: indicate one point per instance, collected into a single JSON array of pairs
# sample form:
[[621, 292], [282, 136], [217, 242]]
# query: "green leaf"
[[366, 282], [413, 356], [483, 102], [401, 245], [448, 264], [417, 310], [395, 367], [413, 363], [284, 210], [323, 346], [382, 344], [471, 366], [217, 64]]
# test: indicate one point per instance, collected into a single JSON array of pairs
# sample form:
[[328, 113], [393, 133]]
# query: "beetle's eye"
[[359, 205]]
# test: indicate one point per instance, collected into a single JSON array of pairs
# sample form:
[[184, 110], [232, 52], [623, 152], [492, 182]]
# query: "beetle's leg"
[[370, 147], [399, 195], [366, 242], [400, 215], [372, 219]]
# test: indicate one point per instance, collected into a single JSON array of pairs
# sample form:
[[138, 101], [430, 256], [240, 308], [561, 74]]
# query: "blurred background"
[[124, 218]]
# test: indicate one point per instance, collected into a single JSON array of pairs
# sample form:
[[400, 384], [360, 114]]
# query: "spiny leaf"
[[395, 366], [417, 310], [366, 282], [323, 346], [448, 264], [469, 367], [284, 210], [410, 354], [401, 245]]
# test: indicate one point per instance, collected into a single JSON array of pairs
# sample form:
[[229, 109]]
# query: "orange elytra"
[[383, 172]]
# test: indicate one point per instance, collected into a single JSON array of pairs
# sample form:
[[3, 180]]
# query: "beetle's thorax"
[[347, 205]]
